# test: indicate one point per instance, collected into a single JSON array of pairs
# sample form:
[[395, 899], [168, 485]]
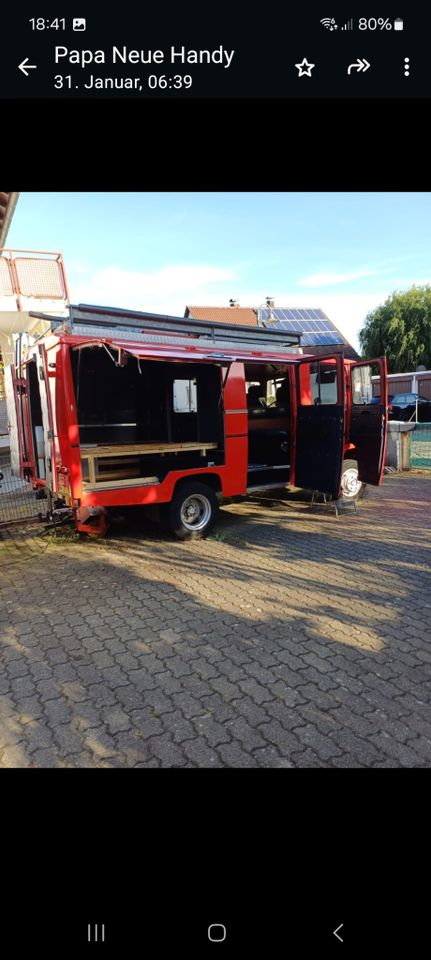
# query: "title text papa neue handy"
[[176, 56]]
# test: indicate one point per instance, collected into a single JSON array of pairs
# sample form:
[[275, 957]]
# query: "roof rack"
[[140, 323]]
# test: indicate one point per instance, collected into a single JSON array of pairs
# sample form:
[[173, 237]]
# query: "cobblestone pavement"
[[287, 639]]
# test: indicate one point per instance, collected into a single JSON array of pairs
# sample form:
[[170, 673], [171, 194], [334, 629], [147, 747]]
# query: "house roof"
[[242, 315], [8, 203], [300, 319]]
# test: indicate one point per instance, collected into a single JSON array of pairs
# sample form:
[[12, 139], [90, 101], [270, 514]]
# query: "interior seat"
[[255, 409]]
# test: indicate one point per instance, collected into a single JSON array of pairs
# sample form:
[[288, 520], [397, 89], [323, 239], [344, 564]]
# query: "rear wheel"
[[352, 488], [192, 511]]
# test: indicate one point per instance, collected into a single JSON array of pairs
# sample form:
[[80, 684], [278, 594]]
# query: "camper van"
[[111, 408]]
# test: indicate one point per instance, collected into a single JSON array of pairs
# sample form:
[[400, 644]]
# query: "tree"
[[400, 329]]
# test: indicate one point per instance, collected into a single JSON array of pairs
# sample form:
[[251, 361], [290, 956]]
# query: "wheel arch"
[[212, 480]]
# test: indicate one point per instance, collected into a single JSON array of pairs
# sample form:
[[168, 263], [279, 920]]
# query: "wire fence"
[[17, 498], [420, 446]]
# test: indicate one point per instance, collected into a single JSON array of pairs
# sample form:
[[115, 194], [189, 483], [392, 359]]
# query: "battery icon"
[[398, 24]]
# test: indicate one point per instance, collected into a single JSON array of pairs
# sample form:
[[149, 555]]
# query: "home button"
[[216, 932]]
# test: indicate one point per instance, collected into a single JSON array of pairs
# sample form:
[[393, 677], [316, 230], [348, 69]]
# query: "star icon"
[[304, 69]]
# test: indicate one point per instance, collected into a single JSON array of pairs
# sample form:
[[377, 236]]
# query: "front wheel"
[[193, 511], [352, 488]]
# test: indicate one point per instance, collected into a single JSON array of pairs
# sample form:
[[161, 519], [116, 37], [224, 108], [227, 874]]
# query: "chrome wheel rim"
[[195, 512], [350, 483]]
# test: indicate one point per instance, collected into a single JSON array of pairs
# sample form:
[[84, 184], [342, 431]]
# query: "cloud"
[[166, 290], [331, 279], [169, 289]]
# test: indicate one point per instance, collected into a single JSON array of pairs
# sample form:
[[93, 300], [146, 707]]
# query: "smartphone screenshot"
[[215, 469]]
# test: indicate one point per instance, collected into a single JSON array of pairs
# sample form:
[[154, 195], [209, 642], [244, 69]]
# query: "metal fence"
[[420, 446], [17, 498]]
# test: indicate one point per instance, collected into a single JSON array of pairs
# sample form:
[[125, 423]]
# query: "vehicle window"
[[323, 383], [271, 389], [262, 393], [185, 398], [317, 383], [362, 390]]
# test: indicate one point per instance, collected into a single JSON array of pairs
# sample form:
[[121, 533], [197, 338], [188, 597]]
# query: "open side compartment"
[[141, 418], [269, 408]]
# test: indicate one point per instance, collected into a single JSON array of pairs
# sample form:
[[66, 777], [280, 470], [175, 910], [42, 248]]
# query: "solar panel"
[[315, 326]]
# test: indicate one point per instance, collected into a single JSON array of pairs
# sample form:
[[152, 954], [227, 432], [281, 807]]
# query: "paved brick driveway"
[[288, 639]]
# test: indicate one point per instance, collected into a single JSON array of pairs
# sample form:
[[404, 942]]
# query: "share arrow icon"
[[361, 66]]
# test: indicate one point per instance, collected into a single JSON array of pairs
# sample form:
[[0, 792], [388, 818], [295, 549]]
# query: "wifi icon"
[[329, 23]]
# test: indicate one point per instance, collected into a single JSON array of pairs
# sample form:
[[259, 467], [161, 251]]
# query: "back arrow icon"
[[335, 932], [360, 66], [25, 65]]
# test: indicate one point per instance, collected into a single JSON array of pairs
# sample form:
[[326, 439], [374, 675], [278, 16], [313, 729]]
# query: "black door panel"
[[320, 424], [319, 448]]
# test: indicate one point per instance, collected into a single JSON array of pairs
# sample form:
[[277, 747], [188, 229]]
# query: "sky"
[[342, 252]]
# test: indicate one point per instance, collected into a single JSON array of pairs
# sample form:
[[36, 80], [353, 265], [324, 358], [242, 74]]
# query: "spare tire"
[[351, 487]]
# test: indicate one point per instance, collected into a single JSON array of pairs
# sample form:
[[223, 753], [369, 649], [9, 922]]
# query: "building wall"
[[424, 385], [403, 383], [400, 385]]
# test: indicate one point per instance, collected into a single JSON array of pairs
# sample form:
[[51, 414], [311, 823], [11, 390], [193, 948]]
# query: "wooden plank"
[[134, 449], [91, 470], [114, 484]]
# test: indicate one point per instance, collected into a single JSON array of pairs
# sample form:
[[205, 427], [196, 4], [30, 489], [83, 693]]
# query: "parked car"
[[402, 406], [377, 399]]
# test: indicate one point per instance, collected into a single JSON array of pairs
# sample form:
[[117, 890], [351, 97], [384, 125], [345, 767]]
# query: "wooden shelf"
[[140, 449], [109, 452]]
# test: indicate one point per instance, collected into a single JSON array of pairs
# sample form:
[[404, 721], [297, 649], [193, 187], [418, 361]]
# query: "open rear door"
[[368, 419], [319, 440]]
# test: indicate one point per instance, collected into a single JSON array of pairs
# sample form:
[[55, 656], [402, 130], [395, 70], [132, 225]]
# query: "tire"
[[351, 487], [193, 511]]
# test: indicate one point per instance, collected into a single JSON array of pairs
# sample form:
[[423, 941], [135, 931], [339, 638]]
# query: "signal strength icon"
[[329, 23], [348, 25]]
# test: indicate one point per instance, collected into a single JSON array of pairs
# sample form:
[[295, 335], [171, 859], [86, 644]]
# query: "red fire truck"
[[111, 408]]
